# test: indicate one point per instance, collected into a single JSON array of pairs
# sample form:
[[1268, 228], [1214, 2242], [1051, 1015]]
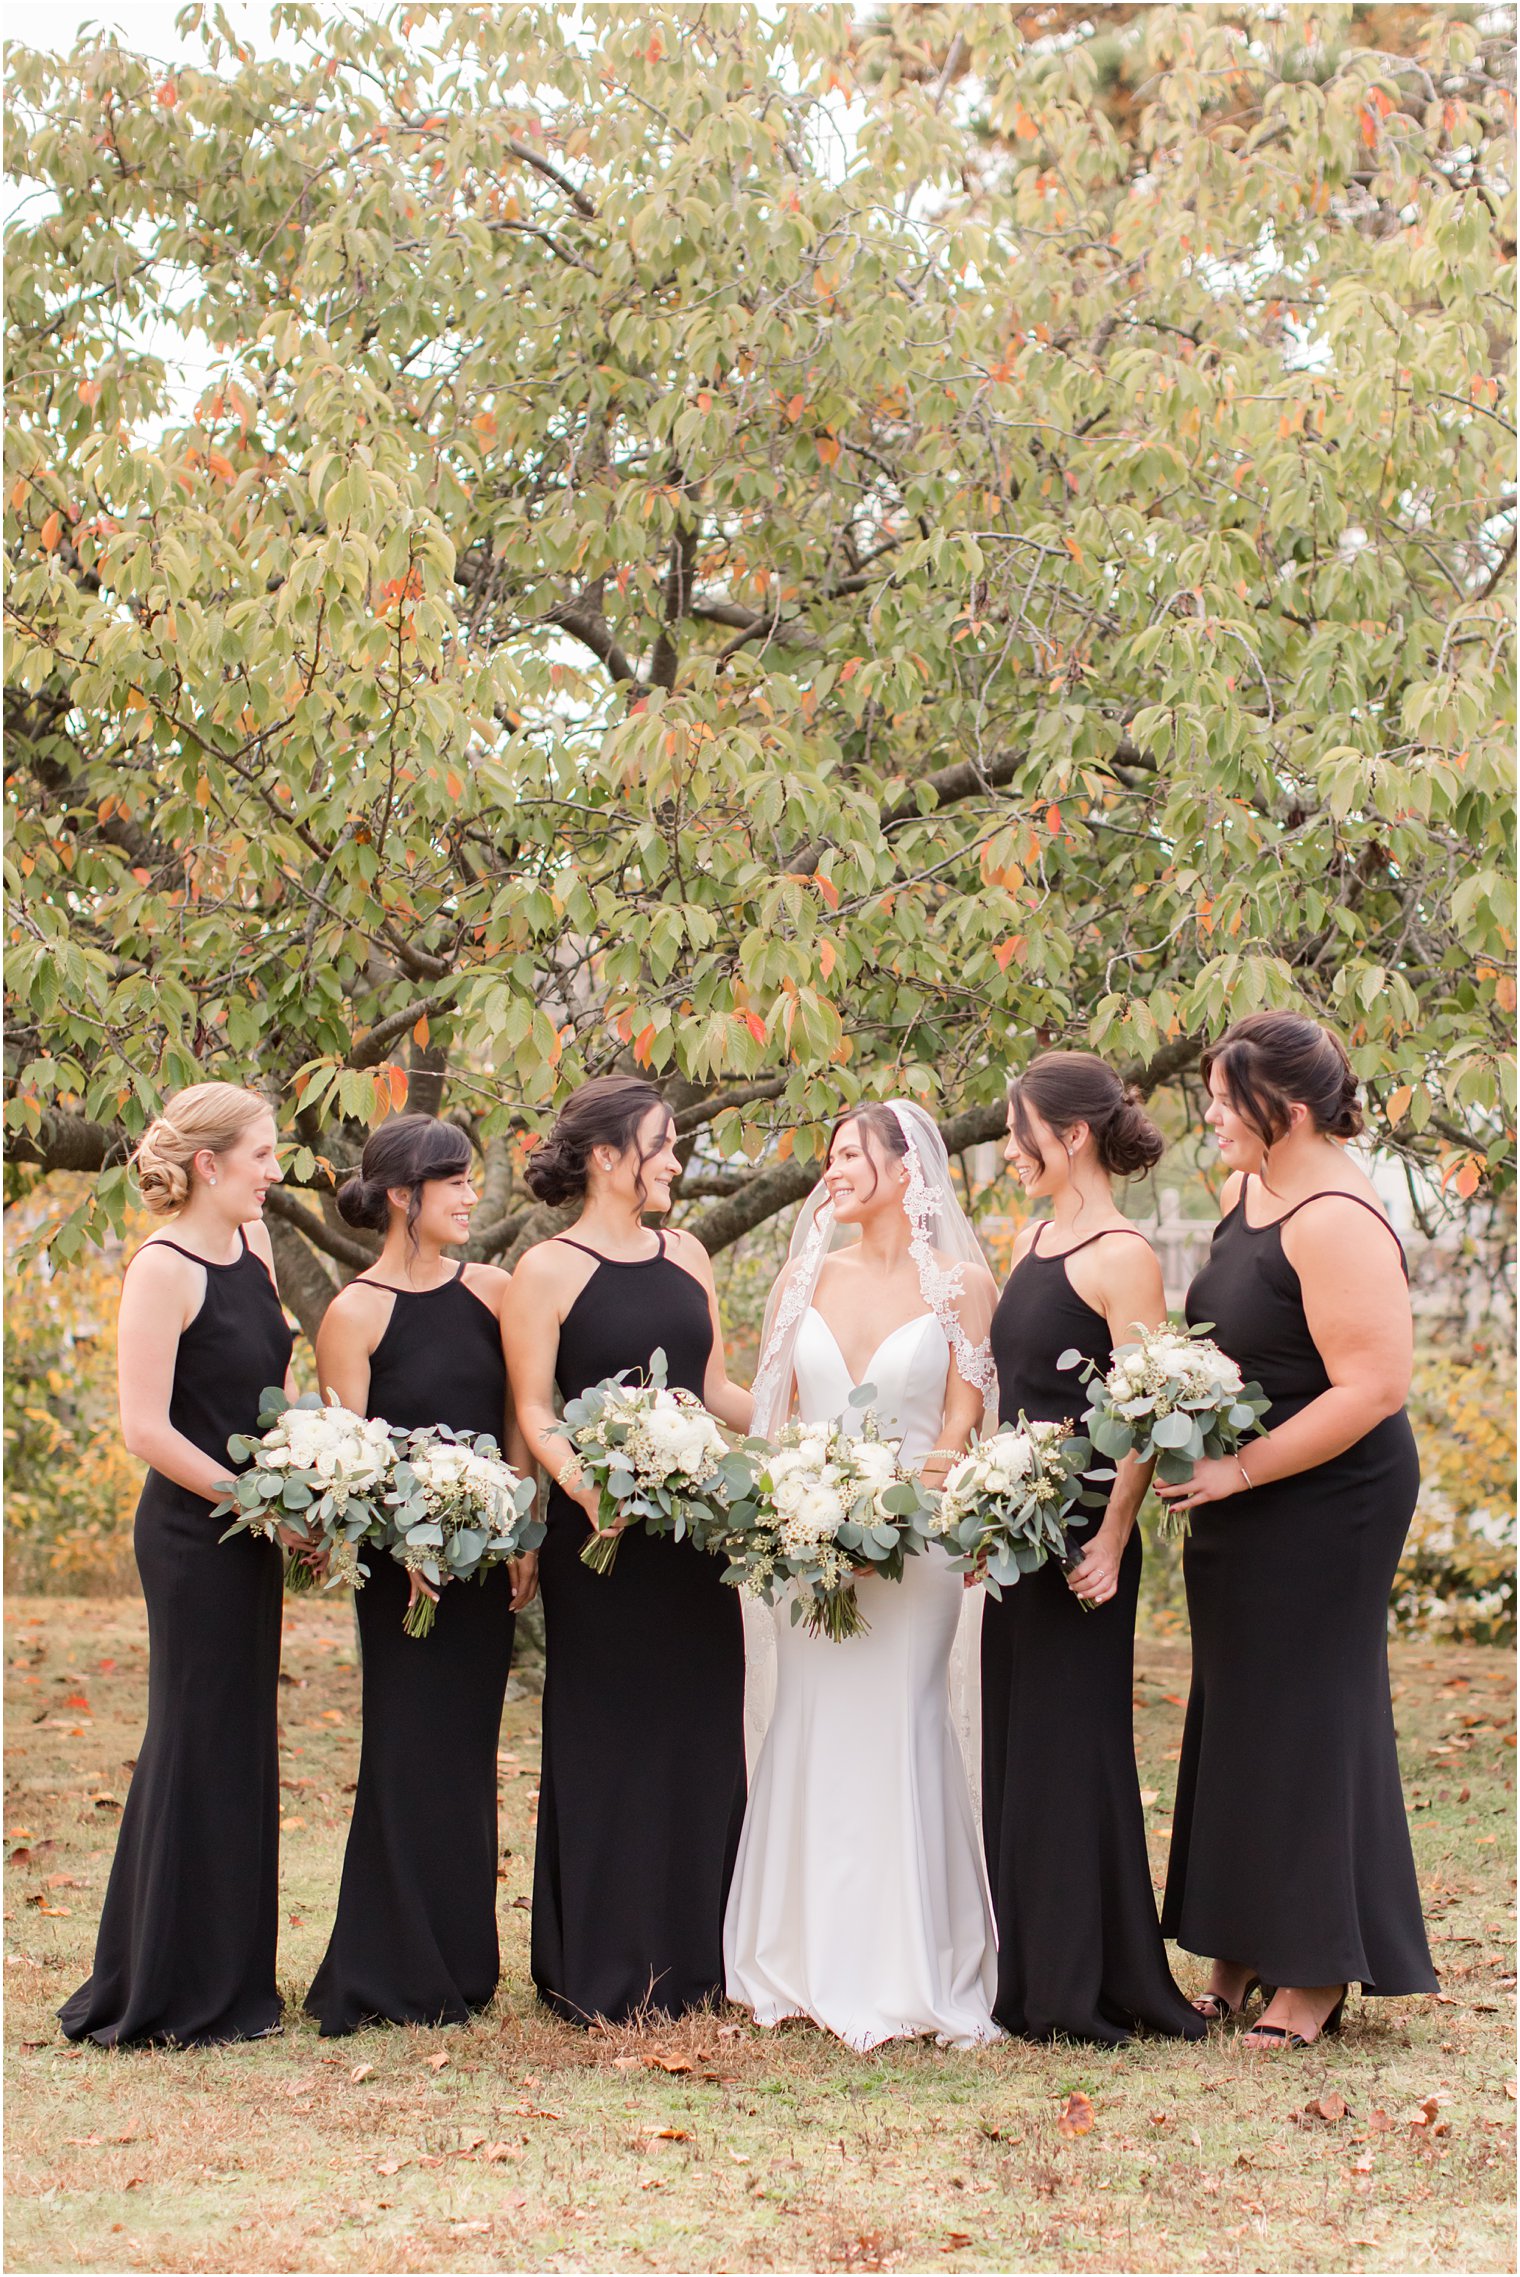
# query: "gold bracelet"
[[1245, 1474]]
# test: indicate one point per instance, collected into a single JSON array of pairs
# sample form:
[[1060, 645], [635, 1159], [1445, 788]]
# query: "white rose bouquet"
[[657, 1458], [1171, 1396], [455, 1510], [826, 1500], [1004, 1507], [318, 1470]]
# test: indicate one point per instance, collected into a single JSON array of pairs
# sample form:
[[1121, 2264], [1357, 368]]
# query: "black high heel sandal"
[[1327, 2030], [1219, 2010]]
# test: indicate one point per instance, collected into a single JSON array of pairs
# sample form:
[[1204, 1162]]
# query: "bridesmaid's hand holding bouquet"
[[656, 1458], [825, 1503], [455, 1510], [1172, 1398], [315, 1482], [1003, 1508]]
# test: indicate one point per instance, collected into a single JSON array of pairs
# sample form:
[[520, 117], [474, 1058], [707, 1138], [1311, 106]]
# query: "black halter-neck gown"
[[415, 1940], [186, 1949], [642, 1791], [1291, 1851], [1080, 1953]]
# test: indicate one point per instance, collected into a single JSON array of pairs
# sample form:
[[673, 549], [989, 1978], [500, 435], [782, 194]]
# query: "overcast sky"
[[146, 25]]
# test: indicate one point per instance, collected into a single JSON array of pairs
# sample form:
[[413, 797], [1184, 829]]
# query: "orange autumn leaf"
[[644, 1044], [1398, 1102], [50, 531], [420, 1033], [828, 889], [1076, 2117], [828, 957]]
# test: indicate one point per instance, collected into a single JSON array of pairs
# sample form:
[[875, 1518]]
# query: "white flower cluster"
[[671, 1437], [1021, 1467], [461, 1484], [1165, 1371], [349, 1454], [818, 1477]]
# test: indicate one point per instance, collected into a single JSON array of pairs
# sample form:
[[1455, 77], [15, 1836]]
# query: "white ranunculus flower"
[[819, 1512], [1010, 1455], [875, 1464]]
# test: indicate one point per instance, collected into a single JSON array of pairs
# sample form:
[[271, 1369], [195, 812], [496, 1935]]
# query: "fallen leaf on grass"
[[522, 1905], [740, 2158], [668, 2063], [360, 2071], [627, 2063], [54, 1912], [1076, 2117], [136, 2182], [1331, 2108], [956, 2241], [458, 2224], [1149, 1795], [730, 2031], [106, 1802], [390, 2166], [667, 2134], [436, 2063], [1160, 2118], [83, 2142], [494, 2151], [1379, 2123]]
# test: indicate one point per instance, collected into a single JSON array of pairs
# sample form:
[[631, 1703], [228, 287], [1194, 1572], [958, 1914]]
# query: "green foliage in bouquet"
[[1006, 1506], [658, 1460], [1170, 1397], [455, 1510], [318, 1470], [813, 1532]]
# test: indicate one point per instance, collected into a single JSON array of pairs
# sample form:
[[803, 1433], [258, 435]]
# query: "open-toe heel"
[[1219, 2010], [1287, 2039]]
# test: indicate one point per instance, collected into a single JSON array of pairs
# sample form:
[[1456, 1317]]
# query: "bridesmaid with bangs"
[[1080, 1953], [418, 1339]]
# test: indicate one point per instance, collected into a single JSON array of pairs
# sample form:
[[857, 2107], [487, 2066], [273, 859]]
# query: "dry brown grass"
[[710, 2145]]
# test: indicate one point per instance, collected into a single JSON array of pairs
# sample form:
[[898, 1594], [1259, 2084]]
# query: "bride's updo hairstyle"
[[1065, 1088], [883, 1126], [607, 1111], [406, 1151], [213, 1115], [1273, 1061]]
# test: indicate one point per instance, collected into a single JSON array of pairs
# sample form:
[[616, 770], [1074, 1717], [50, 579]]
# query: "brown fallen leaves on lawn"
[[1076, 2115], [1331, 2108]]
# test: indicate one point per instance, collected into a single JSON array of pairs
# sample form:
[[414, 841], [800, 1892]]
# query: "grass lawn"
[[521, 2143]]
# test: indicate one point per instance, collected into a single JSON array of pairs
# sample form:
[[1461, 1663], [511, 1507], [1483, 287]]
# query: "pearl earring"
[[211, 1181]]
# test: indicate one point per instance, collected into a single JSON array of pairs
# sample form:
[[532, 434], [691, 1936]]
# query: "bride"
[[859, 1898]]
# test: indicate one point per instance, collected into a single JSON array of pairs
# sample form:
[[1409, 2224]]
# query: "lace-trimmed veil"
[[958, 1289]]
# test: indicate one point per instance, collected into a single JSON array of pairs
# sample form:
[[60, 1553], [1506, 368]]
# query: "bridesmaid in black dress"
[[418, 1340], [1291, 1861], [642, 1791], [186, 1949], [1080, 1953]]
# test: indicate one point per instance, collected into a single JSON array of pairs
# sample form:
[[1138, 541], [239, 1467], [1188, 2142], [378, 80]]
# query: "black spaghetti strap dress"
[[414, 1940], [1290, 1847], [1080, 1954], [186, 1949], [642, 1790]]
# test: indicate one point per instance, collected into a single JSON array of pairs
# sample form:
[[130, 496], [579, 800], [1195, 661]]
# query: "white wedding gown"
[[859, 1897]]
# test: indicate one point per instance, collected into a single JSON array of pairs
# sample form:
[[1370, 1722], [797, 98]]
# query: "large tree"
[[796, 556]]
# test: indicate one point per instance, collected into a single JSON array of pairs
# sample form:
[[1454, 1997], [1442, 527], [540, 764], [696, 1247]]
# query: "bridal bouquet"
[[1004, 1506], [455, 1509], [318, 1469], [657, 1458], [1172, 1395], [826, 1500]]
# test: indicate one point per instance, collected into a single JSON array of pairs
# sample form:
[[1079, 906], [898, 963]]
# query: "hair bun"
[[555, 1171], [162, 1179], [1129, 1141], [363, 1203]]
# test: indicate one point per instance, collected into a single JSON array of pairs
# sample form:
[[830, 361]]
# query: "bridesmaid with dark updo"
[[1291, 1863], [642, 1789], [186, 1950], [1080, 1954], [418, 1339]]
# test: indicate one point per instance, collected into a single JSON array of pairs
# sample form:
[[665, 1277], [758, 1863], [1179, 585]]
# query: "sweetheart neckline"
[[916, 1321]]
